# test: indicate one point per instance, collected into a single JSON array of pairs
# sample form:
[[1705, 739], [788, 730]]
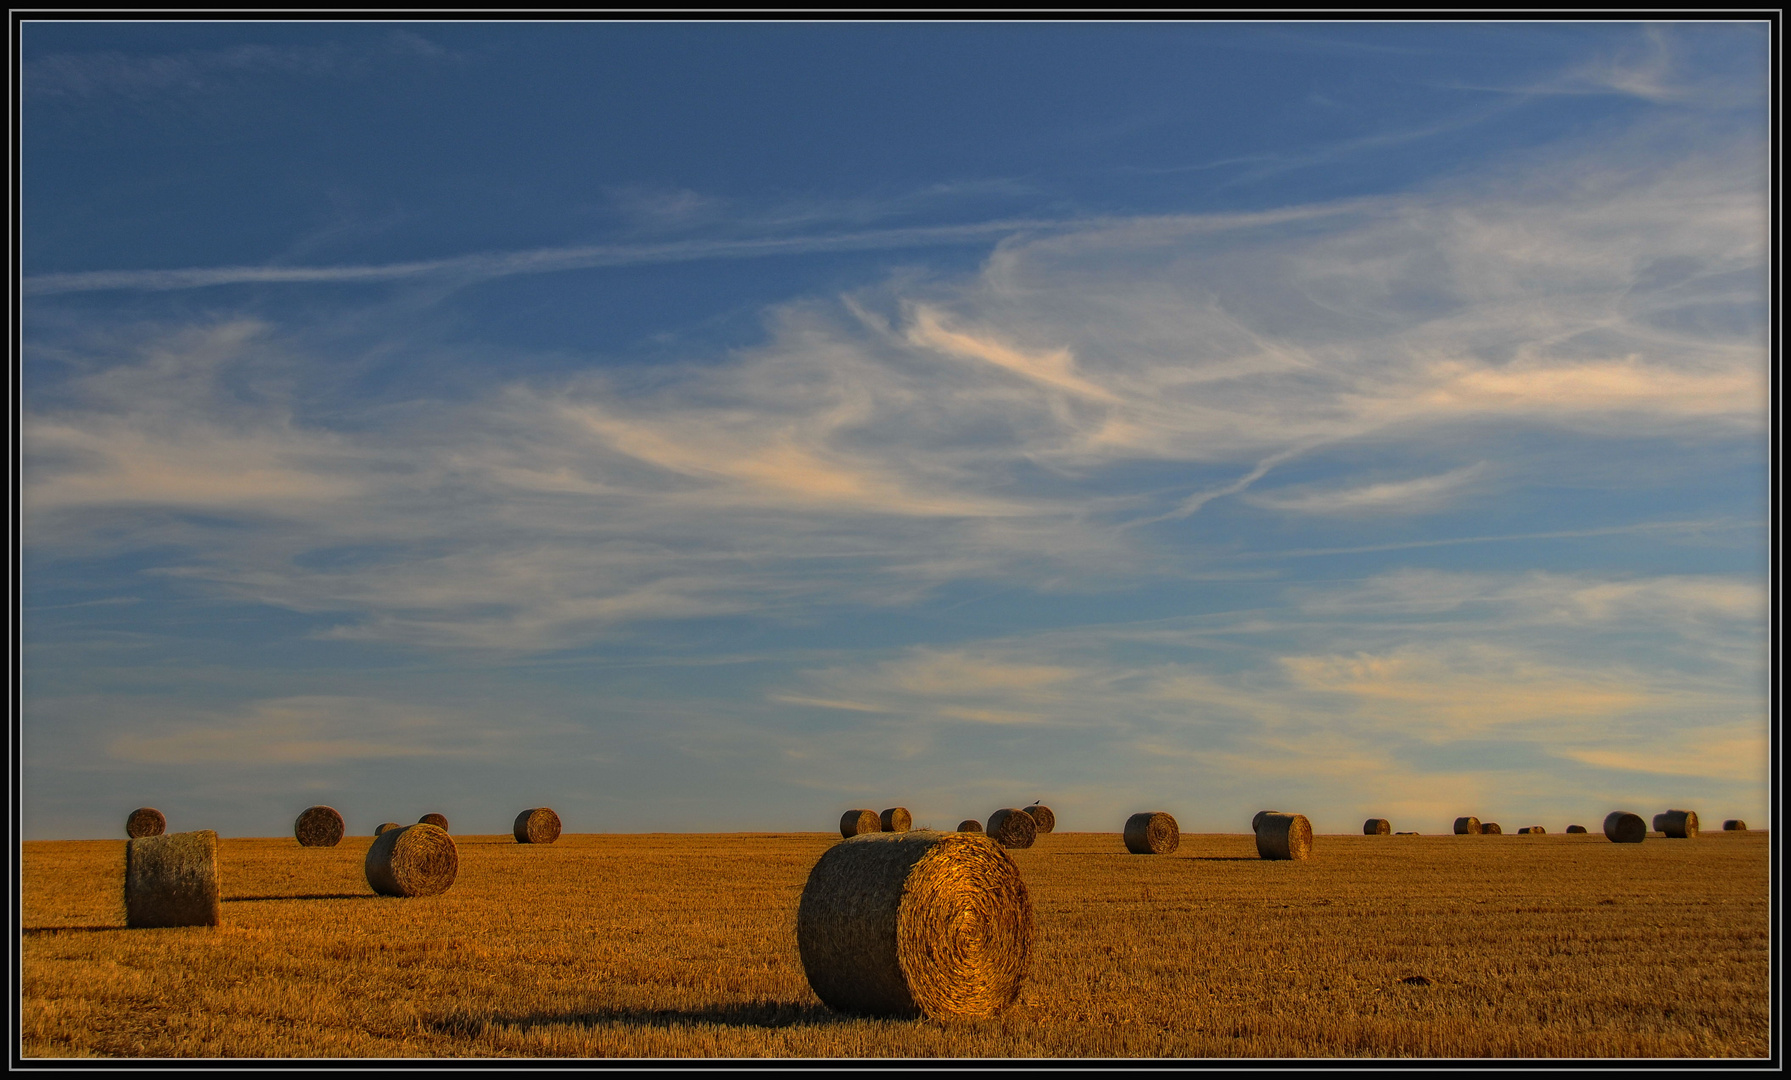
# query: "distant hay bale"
[[172, 880], [1377, 826], [417, 860], [1623, 827], [1256, 822], [856, 822], [1152, 832], [145, 821], [1658, 824], [916, 924], [1012, 829], [1576, 828], [538, 826], [970, 824], [1467, 826], [1678, 824], [1284, 836], [1531, 830], [437, 820], [318, 826], [1735, 825], [385, 826], [1412, 833], [1042, 817], [895, 819], [1491, 828]]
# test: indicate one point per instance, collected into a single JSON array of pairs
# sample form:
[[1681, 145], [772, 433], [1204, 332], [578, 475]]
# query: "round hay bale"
[[1256, 822], [1491, 828], [1623, 827], [538, 826], [1531, 830], [916, 924], [855, 822], [145, 821], [386, 826], [895, 819], [1042, 817], [1678, 824], [1284, 836], [1658, 824], [318, 826], [1012, 829], [970, 824], [437, 820], [1152, 832], [1735, 825], [172, 880], [417, 860], [1467, 826], [1377, 826], [1576, 828]]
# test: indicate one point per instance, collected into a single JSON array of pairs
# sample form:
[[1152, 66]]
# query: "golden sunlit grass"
[[684, 945]]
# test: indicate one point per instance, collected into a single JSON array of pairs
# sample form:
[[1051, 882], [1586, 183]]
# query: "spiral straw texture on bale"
[[915, 924], [1042, 817], [1576, 828], [857, 822], [318, 826], [1152, 832], [1623, 827], [1491, 828], [1467, 826], [970, 824], [1377, 826], [437, 820], [1678, 824], [145, 821], [172, 880], [1284, 836], [1735, 825], [1012, 828], [895, 819], [538, 826], [386, 826], [1256, 822], [417, 860]]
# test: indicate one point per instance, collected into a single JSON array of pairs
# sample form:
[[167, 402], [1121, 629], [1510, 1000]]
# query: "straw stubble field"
[[682, 945]]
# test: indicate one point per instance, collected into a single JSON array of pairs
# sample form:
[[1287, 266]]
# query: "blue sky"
[[715, 427]]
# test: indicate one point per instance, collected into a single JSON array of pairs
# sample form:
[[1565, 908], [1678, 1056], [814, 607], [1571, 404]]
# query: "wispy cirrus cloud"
[[111, 73]]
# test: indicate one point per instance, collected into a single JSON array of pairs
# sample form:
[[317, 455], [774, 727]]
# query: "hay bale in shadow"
[[857, 822], [417, 860], [1012, 829], [1377, 826], [145, 821], [970, 824], [1284, 836], [1735, 825], [172, 880], [1531, 830], [1623, 827], [1576, 828], [1152, 832], [1491, 828], [895, 819], [538, 826], [1467, 826], [386, 826], [1412, 833], [1042, 817], [1678, 824], [318, 826], [1256, 822], [916, 924], [437, 820]]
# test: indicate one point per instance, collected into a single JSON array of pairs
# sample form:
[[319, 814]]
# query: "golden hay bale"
[[1152, 832], [538, 826], [916, 924], [1256, 822], [172, 880], [1531, 830], [318, 826], [855, 822], [145, 821], [1467, 826], [1491, 828], [1284, 836], [1735, 825], [437, 820], [1576, 828], [970, 824], [1678, 824], [895, 819], [386, 826], [417, 860], [1623, 827], [1012, 829], [1042, 817], [1377, 826]]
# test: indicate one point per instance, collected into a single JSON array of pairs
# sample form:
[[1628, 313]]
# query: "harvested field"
[[672, 945]]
